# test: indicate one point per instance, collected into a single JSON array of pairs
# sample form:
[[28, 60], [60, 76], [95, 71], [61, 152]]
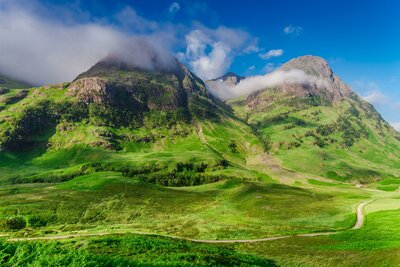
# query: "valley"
[[131, 159]]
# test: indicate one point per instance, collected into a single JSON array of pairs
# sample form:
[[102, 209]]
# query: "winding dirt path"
[[359, 223], [360, 215]]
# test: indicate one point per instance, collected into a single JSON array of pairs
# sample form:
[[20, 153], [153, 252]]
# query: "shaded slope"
[[8, 83]]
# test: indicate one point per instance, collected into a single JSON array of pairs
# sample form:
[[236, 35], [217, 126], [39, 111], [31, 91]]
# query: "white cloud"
[[396, 126], [375, 97], [370, 91], [39, 49], [271, 53], [252, 48], [174, 8], [210, 52], [269, 67], [293, 30], [129, 19], [256, 83], [251, 68]]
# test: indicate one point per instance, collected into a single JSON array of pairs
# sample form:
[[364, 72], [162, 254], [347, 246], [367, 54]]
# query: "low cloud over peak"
[[39, 47], [260, 82], [40, 50]]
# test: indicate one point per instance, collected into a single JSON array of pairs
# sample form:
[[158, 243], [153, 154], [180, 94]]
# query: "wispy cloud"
[[293, 30], [396, 126], [370, 91], [251, 68], [375, 97], [269, 67], [129, 19], [271, 53], [174, 8], [42, 49], [256, 83]]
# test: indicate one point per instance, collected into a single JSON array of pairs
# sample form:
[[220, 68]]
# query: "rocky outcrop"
[[325, 83], [120, 85], [321, 83], [230, 79], [92, 89]]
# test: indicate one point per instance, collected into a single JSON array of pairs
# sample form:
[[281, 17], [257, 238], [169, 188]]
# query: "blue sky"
[[360, 39]]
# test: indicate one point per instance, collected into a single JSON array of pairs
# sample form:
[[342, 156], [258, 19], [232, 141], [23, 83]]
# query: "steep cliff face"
[[117, 84]]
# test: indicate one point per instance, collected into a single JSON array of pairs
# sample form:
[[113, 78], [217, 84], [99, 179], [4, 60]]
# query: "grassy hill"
[[8, 83], [327, 131]]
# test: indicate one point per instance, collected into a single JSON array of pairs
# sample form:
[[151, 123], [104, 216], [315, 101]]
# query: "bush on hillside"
[[15, 223]]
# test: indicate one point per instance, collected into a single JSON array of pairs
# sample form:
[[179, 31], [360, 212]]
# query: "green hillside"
[[8, 83], [322, 131]]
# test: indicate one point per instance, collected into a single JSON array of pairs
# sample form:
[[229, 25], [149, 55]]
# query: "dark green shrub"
[[37, 221], [15, 223], [233, 147]]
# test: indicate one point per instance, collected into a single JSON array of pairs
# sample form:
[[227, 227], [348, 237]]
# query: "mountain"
[[322, 121], [8, 83], [115, 109], [110, 94], [116, 83], [229, 79]]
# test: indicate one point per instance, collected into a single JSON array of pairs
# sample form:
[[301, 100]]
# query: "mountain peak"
[[229, 79], [116, 83], [311, 65], [325, 81]]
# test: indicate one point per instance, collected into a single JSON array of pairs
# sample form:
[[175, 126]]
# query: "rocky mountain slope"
[[110, 94], [321, 126], [161, 118]]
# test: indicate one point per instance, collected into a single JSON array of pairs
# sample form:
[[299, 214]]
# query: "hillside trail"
[[358, 224]]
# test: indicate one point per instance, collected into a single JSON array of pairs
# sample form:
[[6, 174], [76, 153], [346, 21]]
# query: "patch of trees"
[[233, 147], [107, 115], [185, 174], [178, 179]]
